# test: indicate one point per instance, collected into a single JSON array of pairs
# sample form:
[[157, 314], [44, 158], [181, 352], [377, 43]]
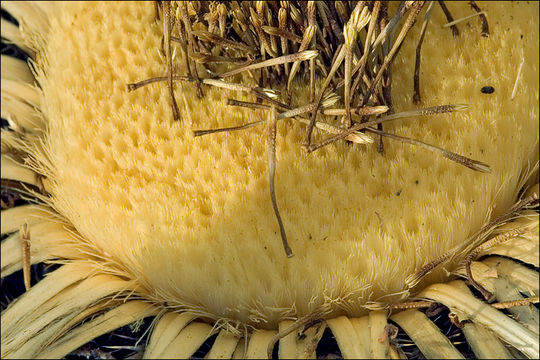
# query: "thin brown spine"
[[416, 78], [272, 124], [167, 27], [282, 23], [515, 303], [449, 17], [485, 26], [191, 45], [313, 45]]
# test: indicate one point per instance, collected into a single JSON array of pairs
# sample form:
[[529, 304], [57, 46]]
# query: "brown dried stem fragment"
[[135, 86], [514, 303], [182, 7], [416, 95], [454, 319], [258, 92], [282, 33], [300, 56], [449, 17], [205, 59], [300, 323], [418, 275], [167, 28], [313, 44], [234, 128], [271, 172], [246, 104], [387, 77], [216, 39], [310, 348], [350, 38], [460, 159], [473, 254], [485, 26], [157, 5]]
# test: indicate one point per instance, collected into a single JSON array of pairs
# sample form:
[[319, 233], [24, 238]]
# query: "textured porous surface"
[[191, 218]]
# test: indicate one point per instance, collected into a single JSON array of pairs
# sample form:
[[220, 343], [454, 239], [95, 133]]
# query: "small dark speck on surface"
[[521, 36], [398, 193], [416, 182], [487, 90]]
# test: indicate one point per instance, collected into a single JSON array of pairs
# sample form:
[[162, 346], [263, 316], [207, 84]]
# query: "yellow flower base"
[[153, 221]]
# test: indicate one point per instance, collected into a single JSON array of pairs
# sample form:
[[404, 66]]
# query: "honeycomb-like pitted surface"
[[191, 218]]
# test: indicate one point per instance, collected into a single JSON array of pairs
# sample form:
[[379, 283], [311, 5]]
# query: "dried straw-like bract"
[[173, 213]]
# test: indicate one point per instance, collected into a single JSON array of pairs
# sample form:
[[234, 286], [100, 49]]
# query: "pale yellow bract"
[[188, 222]]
